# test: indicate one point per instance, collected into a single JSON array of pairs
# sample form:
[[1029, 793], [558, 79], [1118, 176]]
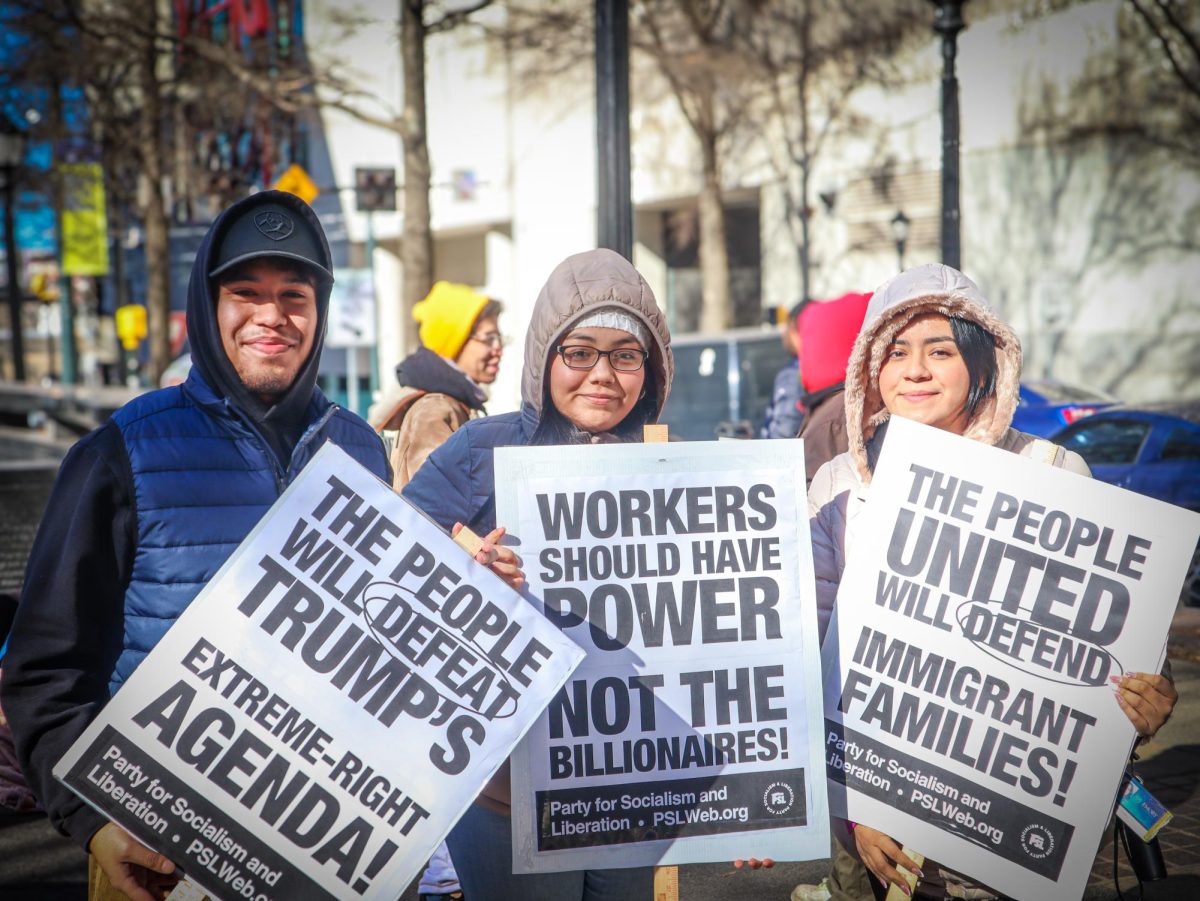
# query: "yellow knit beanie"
[[447, 315]]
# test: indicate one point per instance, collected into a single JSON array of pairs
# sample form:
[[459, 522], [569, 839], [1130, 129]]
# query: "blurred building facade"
[[1087, 243]]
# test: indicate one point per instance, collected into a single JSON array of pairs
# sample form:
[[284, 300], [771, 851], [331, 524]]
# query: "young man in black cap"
[[148, 507]]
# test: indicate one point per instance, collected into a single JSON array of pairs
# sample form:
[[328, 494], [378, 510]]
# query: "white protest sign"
[[327, 707], [685, 572], [987, 602]]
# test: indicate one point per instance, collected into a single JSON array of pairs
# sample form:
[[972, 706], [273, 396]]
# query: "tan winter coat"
[[430, 418]]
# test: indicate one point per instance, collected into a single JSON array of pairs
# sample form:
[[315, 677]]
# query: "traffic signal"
[[374, 190]]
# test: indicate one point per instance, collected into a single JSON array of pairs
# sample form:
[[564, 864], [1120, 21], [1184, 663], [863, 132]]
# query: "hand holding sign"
[[130, 866], [502, 560], [882, 855], [988, 608], [1146, 699], [325, 709], [684, 571]]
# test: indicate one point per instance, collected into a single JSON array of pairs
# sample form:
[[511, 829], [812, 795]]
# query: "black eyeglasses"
[[581, 356]]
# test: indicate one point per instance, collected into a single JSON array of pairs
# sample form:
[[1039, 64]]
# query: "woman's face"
[[480, 355], [596, 399], [924, 377]]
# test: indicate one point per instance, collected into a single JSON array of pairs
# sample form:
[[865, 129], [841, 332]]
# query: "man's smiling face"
[[267, 319]]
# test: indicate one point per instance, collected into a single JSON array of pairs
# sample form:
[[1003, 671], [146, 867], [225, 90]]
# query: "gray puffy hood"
[[586, 281], [931, 288]]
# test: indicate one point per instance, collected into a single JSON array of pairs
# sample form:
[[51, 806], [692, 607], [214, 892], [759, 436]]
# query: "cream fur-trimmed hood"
[[932, 288]]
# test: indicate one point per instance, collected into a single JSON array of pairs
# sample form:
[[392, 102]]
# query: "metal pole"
[[14, 285], [352, 378], [66, 307], [374, 373], [948, 22], [614, 205]]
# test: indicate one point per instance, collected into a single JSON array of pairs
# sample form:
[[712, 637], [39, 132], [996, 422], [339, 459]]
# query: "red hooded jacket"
[[826, 332]]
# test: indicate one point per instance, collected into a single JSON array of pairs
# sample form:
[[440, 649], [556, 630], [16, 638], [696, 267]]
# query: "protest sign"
[[685, 572], [987, 603], [326, 708]]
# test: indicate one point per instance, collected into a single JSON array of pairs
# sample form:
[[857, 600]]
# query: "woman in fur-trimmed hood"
[[932, 350], [924, 291]]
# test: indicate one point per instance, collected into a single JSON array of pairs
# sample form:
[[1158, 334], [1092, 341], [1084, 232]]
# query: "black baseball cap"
[[271, 230]]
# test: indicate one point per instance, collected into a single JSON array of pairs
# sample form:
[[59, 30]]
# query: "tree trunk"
[[416, 253], [806, 160], [153, 208], [717, 310], [805, 248]]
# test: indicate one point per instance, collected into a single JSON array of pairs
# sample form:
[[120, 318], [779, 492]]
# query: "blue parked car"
[[1046, 406], [1153, 449]]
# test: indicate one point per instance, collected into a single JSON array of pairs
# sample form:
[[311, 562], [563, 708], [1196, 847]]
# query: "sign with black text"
[[989, 603], [326, 708], [692, 731]]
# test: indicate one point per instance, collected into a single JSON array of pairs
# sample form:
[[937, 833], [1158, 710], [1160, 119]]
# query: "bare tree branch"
[[455, 18]]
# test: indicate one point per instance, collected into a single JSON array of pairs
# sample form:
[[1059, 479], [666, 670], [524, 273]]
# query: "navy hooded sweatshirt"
[[99, 592]]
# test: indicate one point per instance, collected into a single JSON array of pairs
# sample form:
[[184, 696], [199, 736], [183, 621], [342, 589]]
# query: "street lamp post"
[[12, 151], [614, 205], [948, 22], [900, 224]]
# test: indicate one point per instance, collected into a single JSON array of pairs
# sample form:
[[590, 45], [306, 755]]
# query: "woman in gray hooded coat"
[[598, 367]]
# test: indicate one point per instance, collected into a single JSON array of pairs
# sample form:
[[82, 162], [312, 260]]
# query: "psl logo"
[[779, 798], [1037, 842]]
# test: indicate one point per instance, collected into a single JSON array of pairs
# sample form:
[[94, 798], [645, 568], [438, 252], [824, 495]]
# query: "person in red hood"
[[825, 334]]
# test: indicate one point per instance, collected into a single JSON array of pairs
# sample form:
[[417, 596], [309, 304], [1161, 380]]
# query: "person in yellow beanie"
[[442, 382]]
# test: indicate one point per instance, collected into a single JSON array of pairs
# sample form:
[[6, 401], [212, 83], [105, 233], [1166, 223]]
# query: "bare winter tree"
[[778, 72], [1153, 65], [341, 88], [697, 49], [815, 54], [697, 46]]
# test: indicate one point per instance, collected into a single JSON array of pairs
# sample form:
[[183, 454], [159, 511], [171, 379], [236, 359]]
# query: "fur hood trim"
[[931, 288]]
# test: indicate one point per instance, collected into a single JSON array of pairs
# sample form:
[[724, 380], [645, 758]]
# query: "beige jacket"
[[428, 421]]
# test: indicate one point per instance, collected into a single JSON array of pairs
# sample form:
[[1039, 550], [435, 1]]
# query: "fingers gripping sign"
[[882, 856], [131, 867], [1146, 699], [500, 559], [754, 863]]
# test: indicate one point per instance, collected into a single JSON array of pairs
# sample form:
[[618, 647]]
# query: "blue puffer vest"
[[202, 478]]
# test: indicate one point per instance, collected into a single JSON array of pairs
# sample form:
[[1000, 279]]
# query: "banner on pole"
[[327, 707], [84, 220], [692, 731], [988, 603]]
